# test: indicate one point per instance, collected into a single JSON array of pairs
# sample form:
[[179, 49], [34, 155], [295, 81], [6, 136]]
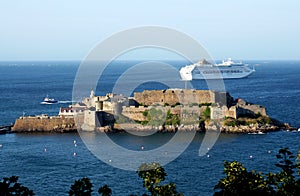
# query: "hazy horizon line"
[[69, 60]]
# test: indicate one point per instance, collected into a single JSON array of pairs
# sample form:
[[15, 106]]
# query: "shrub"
[[122, 119], [145, 113], [82, 187], [104, 191], [10, 186], [265, 120], [153, 174], [156, 117], [206, 113], [144, 122], [239, 181], [230, 122], [172, 119]]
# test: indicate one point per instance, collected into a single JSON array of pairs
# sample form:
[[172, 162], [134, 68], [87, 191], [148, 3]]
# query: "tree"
[[10, 186], [82, 187], [298, 163], [153, 174], [104, 190], [239, 181], [285, 183]]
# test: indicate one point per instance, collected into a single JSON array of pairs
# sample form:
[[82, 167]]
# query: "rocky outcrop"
[[65, 125], [256, 128], [146, 128], [207, 126]]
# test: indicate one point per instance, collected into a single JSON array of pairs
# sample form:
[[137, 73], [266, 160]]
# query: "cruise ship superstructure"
[[203, 69]]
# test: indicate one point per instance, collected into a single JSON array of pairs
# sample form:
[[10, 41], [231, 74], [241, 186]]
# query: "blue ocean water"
[[46, 164]]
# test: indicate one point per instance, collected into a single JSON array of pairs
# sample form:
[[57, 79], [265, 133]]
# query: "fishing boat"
[[48, 100]]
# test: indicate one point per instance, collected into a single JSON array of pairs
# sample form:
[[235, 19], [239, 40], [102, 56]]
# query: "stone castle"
[[95, 112], [112, 110]]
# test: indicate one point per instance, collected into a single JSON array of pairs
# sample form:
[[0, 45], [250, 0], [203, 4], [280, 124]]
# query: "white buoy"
[[1, 145], [250, 156], [74, 141], [109, 160], [208, 156], [75, 145], [269, 151], [142, 147], [74, 154], [45, 150]]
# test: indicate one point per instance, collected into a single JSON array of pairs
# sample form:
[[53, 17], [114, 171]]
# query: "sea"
[[48, 163]]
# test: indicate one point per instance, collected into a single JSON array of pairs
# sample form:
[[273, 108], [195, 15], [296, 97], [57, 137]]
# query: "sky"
[[69, 29]]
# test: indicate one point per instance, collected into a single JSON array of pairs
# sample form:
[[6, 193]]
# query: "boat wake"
[[47, 103], [56, 102], [65, 101], [257, 133]]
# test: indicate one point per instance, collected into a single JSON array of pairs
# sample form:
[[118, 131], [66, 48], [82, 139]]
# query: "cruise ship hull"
[[200, 73], [205, 71]]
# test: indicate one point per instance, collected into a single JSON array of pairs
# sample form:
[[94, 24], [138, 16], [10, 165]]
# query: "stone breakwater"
[[44, 124]]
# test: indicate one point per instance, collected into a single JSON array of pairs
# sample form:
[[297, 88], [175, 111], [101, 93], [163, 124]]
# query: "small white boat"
[[48, 100]]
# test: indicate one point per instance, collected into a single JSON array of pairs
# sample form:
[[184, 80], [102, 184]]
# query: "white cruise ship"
[[225, 70]]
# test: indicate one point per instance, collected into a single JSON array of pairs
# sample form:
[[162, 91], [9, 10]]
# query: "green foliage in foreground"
[[10, 186], [82, 187], [104, 191], [239, 181], [153, 174]]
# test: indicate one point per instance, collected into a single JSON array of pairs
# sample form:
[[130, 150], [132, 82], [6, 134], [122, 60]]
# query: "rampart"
[[44, 124], [173, 96], [135, 113], [182, 96], [245, 109]]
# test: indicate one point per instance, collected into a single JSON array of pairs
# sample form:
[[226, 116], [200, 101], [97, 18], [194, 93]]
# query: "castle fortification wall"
[[44, 124], [135, 113], [243, 108], [173, 96]]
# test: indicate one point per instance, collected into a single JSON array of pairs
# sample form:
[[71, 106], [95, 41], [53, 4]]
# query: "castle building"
[[99, 111]]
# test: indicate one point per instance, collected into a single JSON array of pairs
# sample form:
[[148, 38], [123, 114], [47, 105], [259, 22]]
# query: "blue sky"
[[64, 30]]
